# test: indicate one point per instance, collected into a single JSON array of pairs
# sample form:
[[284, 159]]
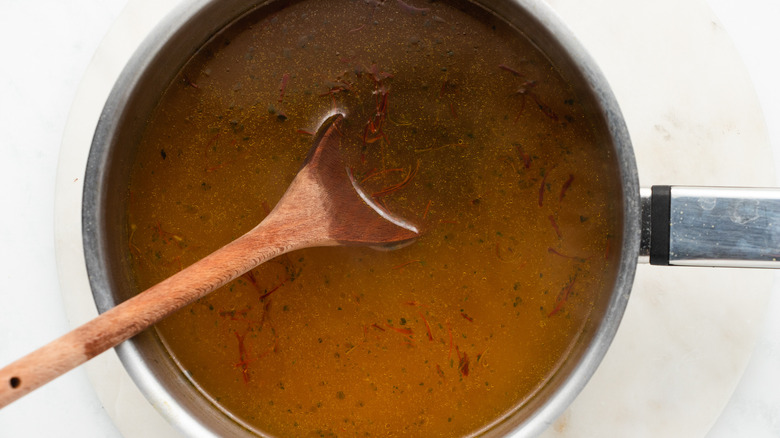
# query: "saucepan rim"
[[168, 36]]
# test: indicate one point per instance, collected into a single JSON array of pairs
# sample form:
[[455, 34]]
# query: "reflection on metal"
[[733, 227]]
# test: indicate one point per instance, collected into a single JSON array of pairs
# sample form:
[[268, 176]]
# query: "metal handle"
[[711, 226]]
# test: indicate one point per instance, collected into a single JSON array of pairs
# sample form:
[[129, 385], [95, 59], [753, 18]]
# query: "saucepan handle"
[[711, 226]]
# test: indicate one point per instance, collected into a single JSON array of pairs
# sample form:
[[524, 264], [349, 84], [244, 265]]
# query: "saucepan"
[[660, 225]]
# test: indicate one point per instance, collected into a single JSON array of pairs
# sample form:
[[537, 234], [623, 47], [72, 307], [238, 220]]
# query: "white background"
[[47, 47]]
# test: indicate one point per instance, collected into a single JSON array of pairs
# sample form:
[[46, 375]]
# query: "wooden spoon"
[[322, 207]]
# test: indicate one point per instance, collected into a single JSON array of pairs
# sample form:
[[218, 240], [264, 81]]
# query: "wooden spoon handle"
[[145, 309]]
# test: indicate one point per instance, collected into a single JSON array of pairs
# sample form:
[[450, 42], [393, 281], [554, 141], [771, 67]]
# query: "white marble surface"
[[40, 75], [754, 407]]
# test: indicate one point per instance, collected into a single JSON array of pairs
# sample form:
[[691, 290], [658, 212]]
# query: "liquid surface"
[[455, 123]]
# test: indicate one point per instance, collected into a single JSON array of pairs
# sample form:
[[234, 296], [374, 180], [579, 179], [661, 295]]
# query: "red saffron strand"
[[243, 358], [463, 364], [365, 134], [543, 185], [400, 185], [566, 186], [266, 309], [357, 28], [468, 318], [563, 297], [523, 91], [166, 236], [427, 207], [377, 326], [555, 226], [544, 108], [376, 173], [524, 156], [510, 70], [541, 189], [402, 265], [283, 86], [522, 108], [439, 371], [427, 327], [274, 289], [403, 331], [189, 81], [373, 139], [335, 90], [554, 251]]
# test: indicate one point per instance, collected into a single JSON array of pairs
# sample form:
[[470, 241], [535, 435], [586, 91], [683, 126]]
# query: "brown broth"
[[456, 123]]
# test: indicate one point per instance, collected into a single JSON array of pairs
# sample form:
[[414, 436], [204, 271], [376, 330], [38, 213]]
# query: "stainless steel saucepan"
[[663, 225]]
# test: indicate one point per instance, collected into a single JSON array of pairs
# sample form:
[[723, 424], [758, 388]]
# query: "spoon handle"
[[269, 239]]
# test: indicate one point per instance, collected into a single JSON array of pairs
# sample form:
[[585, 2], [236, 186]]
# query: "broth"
[[453, 121]]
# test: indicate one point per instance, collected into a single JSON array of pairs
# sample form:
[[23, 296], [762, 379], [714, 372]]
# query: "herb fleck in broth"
[[455, 123]]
